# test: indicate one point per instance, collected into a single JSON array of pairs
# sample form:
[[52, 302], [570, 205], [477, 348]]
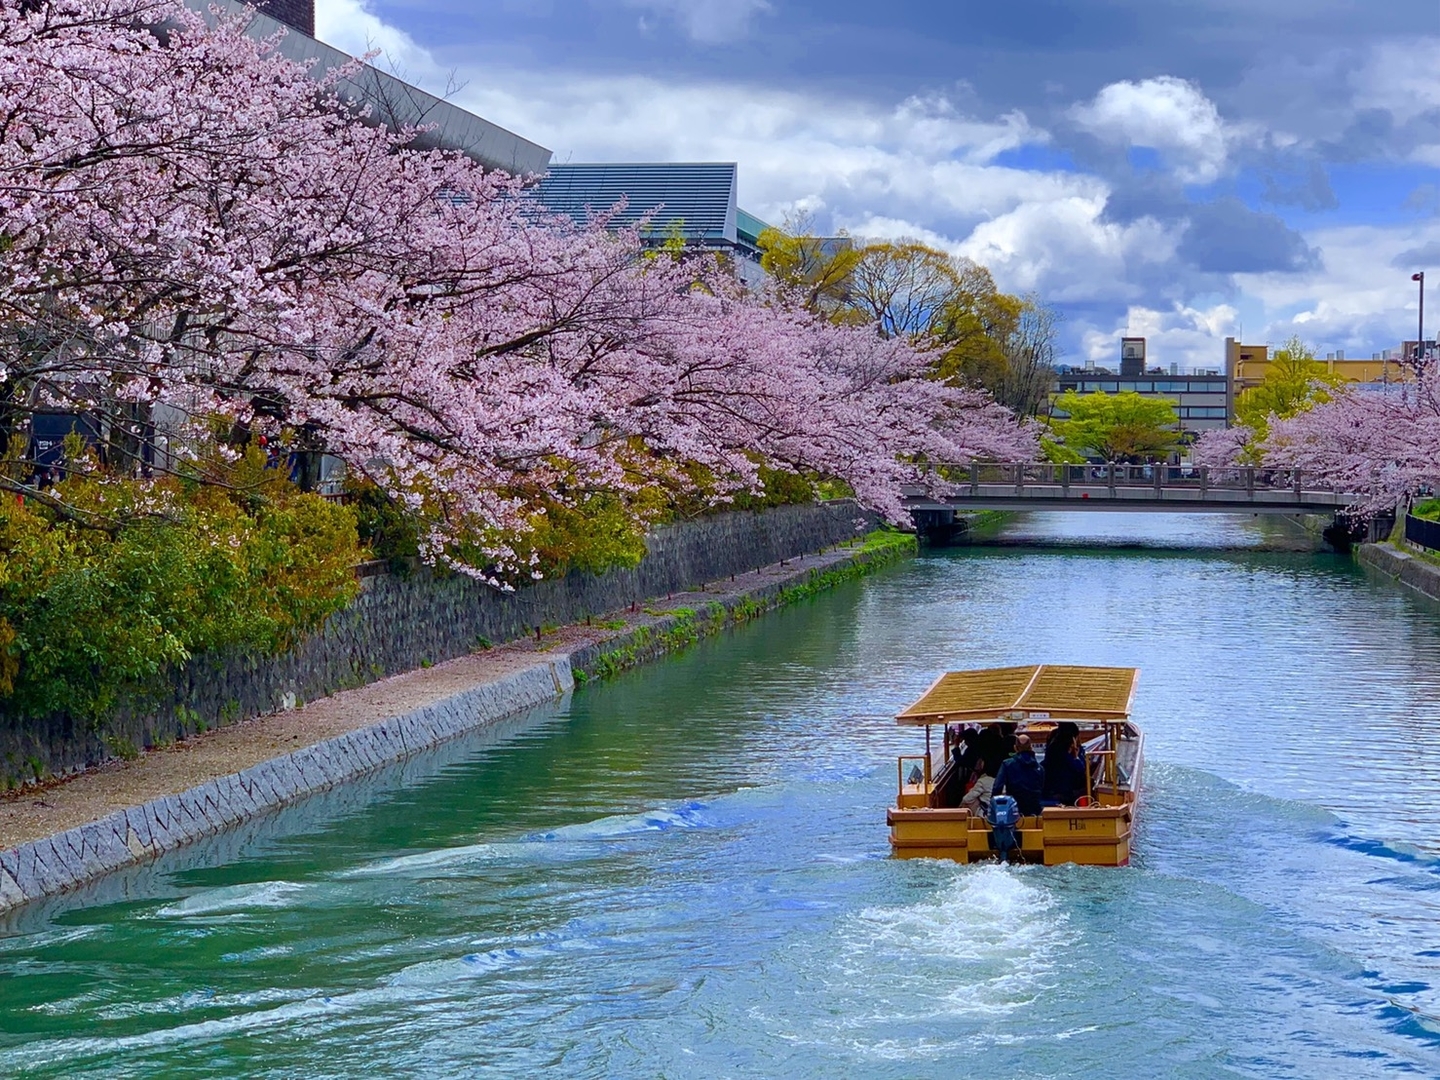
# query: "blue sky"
[[1183, 169]]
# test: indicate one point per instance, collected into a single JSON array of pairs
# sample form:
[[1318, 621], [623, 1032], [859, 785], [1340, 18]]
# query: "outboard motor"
[[1004, 815]]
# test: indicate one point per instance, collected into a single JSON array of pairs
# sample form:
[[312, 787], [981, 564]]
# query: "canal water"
[[684, 872]]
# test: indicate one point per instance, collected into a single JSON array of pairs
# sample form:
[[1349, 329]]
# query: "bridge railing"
[[1234, 478]]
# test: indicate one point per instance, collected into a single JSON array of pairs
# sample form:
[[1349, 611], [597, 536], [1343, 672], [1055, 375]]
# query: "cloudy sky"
[[1182, 169]]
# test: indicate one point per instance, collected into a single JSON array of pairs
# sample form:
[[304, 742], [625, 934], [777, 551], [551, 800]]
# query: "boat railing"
[[1106, 760], [916, 793]]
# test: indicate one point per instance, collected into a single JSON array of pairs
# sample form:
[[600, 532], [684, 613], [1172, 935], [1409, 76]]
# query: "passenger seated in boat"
[[990, 743], [1064, 766], [977, 799], [1022, 777]]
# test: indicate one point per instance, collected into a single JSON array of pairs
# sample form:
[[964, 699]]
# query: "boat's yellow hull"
[[1091, 836]]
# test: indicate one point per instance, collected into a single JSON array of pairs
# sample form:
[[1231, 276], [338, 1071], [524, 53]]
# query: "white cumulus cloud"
[[1165, 114], [924, 167], [1192, 338], [1066, 251], [349, 25]]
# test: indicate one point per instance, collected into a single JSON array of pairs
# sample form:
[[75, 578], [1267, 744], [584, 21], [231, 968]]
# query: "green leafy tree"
[[1117, 427], [1001, 343], [907, 289], [814, 270], [1294, 382], [973, 331], [1022, 382], [667, 240]]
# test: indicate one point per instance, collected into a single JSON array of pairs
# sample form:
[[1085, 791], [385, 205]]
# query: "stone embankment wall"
[[1409, 569], [66, 860], [400, 623]]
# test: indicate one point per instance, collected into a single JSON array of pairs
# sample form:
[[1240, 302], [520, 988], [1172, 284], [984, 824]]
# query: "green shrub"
[[1429, 509], [782, 488], [96, 606], [385, 528]]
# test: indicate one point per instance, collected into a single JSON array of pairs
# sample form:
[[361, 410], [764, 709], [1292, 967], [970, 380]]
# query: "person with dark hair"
[[993, 744], [1022, 777], [977, 799], [1064, 766]]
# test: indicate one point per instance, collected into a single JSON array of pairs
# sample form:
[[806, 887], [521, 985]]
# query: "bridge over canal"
[[1112, 488]]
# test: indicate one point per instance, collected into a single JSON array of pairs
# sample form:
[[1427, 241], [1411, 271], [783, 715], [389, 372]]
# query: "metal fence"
[[1423, 532]]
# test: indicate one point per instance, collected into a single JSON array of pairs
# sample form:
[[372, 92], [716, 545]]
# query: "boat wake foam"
[[233, 900], [564, 842], [689, 815], [985, 945]]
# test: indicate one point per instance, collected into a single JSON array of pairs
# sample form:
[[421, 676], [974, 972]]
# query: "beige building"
[[1247, 365]]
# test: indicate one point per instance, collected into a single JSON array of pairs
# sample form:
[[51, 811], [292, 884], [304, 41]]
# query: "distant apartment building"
[[1247, 365], [1200, 399], [1409, 351]]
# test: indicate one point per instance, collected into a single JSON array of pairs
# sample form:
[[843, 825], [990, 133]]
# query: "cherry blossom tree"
[[1385, 446], [1223, 446], [192, 224]]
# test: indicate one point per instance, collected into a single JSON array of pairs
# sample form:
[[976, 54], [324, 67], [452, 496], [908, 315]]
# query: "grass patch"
[[121, 747]]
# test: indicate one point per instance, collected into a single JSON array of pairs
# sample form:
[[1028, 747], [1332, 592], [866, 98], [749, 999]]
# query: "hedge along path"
[[57, 838]]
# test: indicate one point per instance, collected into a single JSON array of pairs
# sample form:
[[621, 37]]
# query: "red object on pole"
[[1420, 334]]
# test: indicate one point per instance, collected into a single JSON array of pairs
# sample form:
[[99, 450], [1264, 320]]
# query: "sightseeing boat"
[[993, 707]]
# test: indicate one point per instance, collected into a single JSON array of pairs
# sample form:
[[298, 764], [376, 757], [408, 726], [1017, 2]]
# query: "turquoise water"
[[684, 872]]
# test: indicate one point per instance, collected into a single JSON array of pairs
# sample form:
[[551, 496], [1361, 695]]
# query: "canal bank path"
[[59, 836]]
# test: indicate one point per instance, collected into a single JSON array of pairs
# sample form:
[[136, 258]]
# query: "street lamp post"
[[1420, 334]]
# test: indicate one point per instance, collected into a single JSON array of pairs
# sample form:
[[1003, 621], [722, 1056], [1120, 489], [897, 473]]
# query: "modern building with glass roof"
[[693, 200]]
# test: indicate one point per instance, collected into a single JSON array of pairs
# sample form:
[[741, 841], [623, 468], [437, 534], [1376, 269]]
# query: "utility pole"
[[1420, 334]]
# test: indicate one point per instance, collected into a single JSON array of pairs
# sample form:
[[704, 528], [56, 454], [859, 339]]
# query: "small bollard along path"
[[59, 836]]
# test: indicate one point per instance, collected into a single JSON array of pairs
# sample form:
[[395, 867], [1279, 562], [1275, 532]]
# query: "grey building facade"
[[695, 201], [393, 102], [1200, 400]]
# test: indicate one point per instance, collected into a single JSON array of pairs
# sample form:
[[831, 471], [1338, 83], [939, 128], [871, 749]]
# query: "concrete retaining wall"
[[62, 862], [1419, 574], [403, 623], [128, 837]]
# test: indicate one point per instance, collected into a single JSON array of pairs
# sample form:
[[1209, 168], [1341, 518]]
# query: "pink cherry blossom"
[[1385, 446], [190, 221]]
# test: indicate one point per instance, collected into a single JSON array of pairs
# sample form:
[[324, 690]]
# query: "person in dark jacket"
[[1064, 766], [1022, 777]]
